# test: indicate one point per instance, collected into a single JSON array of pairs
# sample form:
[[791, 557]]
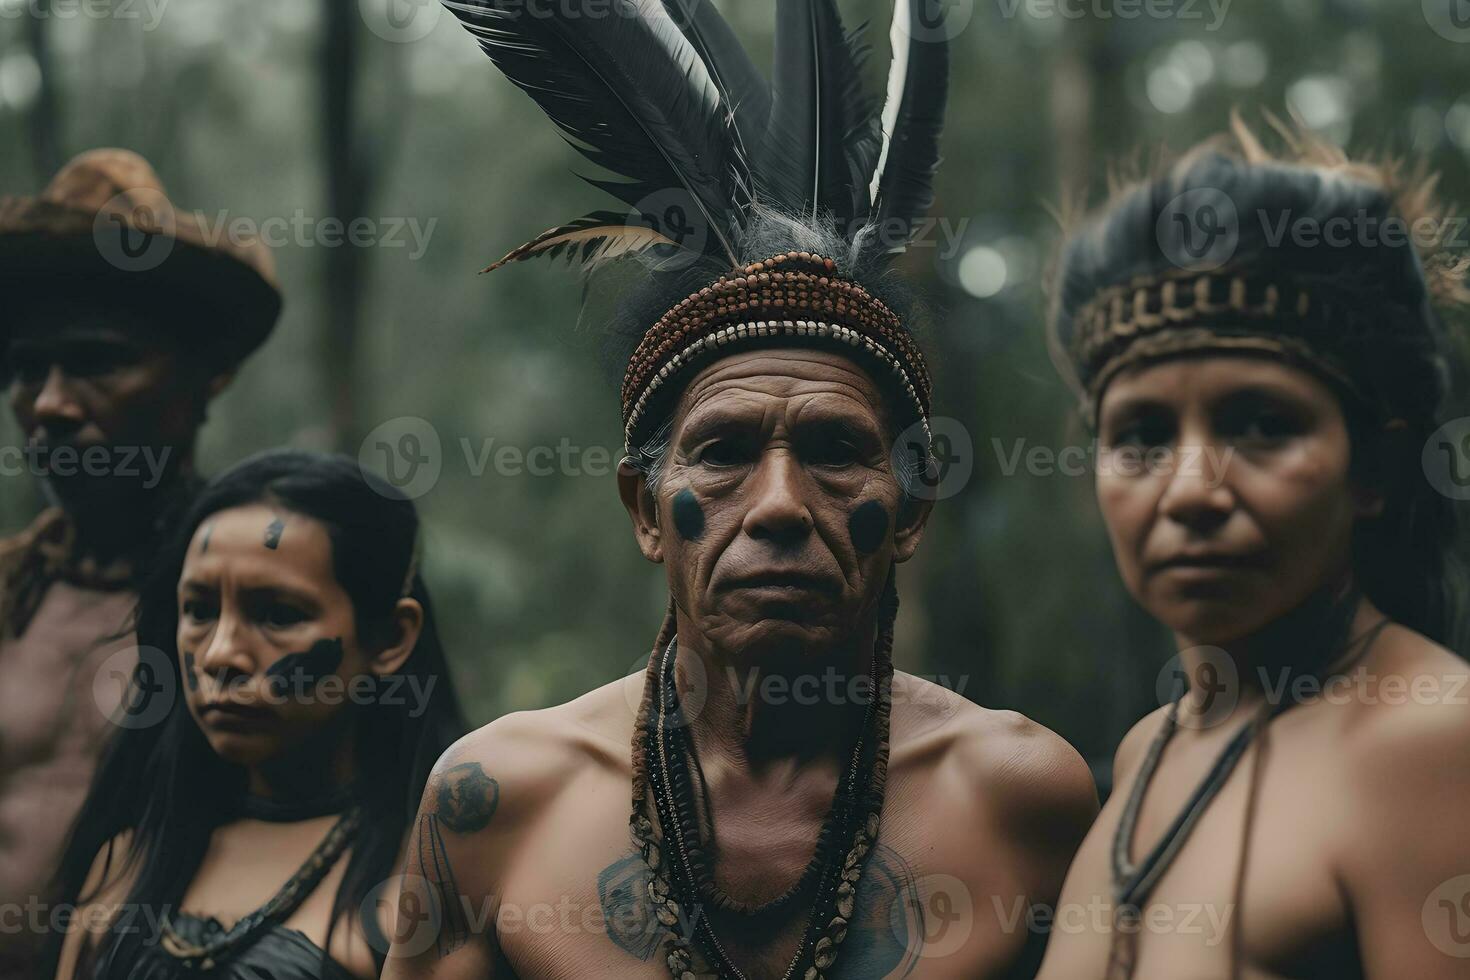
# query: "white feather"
[[899, 38]]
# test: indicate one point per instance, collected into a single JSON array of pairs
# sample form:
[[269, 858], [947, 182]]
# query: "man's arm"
[[484, 790], [1037, 800]]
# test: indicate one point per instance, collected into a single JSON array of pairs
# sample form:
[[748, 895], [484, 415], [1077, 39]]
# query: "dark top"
[[278, 954]]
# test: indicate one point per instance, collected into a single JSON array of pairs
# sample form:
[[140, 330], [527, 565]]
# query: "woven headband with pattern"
[[793, 299], [1153, 317]]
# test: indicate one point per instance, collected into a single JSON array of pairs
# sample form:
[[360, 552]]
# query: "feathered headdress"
[[661, 94], [1337, 265]]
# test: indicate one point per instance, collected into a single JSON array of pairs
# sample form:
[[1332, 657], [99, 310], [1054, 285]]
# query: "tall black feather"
[[913, 118], [818, 112], [741, 84], [631, 93]]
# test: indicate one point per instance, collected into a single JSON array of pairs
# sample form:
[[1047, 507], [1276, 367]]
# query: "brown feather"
[[590, 244]]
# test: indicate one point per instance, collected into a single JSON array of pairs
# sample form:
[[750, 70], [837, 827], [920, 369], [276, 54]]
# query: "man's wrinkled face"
[[1225, 485], [778, 513], [85, 377]]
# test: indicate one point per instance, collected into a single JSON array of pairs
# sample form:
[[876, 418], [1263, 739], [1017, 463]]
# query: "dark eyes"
[[91, 361], [724, 452], [270, 613], [813, 452], [1143, 433], [199, 610], [830, 452], [1245, 425], [1267, 426]]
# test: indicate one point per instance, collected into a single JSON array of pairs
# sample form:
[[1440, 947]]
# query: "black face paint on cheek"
[[688, 515], [273, 533], [868, 525], [191, 671], [324, 657]]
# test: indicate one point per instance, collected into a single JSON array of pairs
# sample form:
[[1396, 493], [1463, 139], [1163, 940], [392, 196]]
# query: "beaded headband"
[[1152, 317], [793, 299]]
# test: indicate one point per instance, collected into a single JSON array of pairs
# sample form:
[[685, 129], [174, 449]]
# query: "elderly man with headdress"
[[770, 798], [121, 320], [1259, 342]]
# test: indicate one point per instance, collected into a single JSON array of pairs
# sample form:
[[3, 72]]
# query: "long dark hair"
[[1395, 330], [164, 783]]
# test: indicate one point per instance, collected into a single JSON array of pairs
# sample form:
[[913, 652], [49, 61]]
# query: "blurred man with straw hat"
[[120, 319]]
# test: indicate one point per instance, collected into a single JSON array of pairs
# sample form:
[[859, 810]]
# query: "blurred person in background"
[[1260, 342], [120, 322]]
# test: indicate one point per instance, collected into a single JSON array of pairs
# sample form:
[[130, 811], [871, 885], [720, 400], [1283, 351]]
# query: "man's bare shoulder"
[[1003, 761], [519, 762]]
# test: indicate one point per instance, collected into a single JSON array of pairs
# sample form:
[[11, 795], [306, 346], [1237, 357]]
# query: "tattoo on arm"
[[453, 926], [466, 800]]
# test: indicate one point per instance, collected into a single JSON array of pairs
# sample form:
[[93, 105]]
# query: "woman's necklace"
[[1134, 883], [277, 909]]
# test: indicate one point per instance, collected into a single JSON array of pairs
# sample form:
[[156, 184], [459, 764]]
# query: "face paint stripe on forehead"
[[868, 525], [273, 533], [204, 541], [688, 515]]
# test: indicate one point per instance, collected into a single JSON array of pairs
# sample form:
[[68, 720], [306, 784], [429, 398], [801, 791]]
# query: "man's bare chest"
[[576, 903], [62, 680]]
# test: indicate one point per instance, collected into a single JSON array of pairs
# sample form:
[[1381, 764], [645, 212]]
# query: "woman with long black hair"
[[304, 698]]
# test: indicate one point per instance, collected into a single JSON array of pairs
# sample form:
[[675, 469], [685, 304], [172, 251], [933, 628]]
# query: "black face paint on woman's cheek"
[[688, 515], [868, 525], [191, 671], [308, 668]]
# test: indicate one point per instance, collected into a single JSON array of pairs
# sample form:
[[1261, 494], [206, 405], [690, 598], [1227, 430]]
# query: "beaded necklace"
[[675, 854]]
